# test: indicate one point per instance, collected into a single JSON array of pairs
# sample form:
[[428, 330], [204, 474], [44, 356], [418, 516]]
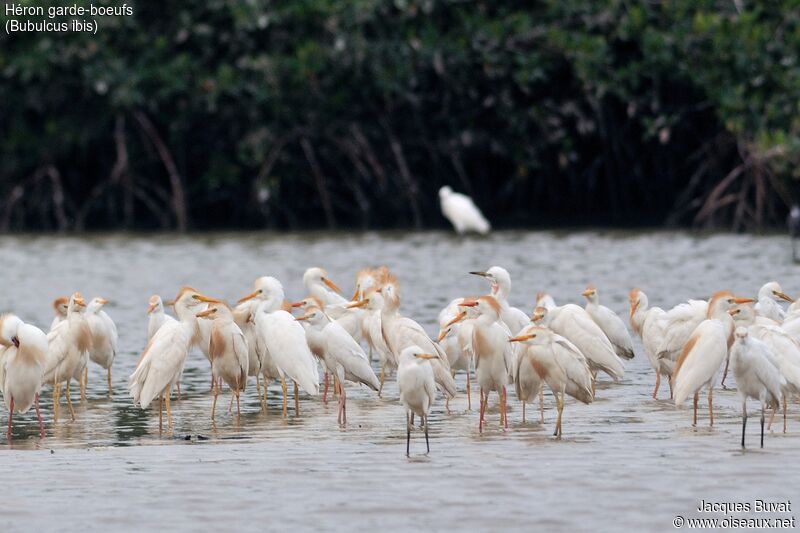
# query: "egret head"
[[773, 290], [445, 191], [60, 305], [316, 276], [533, 335], [590, 293], [155, 304]]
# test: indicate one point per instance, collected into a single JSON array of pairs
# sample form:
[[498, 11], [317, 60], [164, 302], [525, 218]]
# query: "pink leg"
[[10, 415], [39, 416], [325, 390]]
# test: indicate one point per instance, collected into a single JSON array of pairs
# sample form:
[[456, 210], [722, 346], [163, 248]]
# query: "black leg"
[[427, 444], [408, 435], [762, 426], [744, 420]]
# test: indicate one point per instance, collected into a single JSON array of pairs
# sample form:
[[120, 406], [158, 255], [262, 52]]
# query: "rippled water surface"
[[626, 461]]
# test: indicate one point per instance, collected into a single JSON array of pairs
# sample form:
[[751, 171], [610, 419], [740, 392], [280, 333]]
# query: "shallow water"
[[626, 461]]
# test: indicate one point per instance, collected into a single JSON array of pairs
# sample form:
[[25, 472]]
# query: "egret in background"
[[462, 212], [157, 316], [767, 305], [24, 359], [417, 388], [104, 338], [757, 375]]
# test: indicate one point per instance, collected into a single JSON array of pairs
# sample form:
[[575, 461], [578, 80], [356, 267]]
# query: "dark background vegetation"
[[199, 114]]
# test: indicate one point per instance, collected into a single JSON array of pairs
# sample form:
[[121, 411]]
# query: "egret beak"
[[301, 318], [743, 300], [102, 301], [353, 305], [587, 293], [425, 356], [783, 296], [297, 304], [521, 338], [80, 302], [355, 294], [331, 285], [152, 307], [536, 317], [442, 334], [206, 313], [206, 299], [482, 274], [468, 303], [249, 296], [458, 318], [170, 302]]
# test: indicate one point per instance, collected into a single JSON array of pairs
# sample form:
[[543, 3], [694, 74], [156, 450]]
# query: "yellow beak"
[[301, 318], [206, 299], [205, 313], [783, 296], [355, 294], [248, 297], [79, 302], [743, 300], [151, 308], [331, 285], [425, 356], [587, 293], [458, 318], [102, 301], [520, 338], [361, 303]]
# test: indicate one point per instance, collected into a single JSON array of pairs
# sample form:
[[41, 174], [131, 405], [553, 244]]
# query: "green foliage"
[[315, 112]]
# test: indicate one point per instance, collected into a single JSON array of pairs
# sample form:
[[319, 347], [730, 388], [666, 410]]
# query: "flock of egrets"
[[266, 337]]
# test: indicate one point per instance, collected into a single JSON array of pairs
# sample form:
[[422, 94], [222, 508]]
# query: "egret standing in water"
[[417, 388], [462, 212], [648, 323], [24, 359], [104, 338], [757, 375], [610, 323]]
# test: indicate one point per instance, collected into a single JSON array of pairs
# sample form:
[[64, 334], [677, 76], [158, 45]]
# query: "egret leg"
[[10, 416], [483, 410], [338, 404], [169, 411], [344, 405], [505, 412], [710, 407], [39, 416], [771, 418], [238, 406], [69, 402], [560, 407], [230, 403], [523, 412], [283, 389], [297, 400], [214, 404], [541, 406], [178, 389], [594, 382], [84, 382], [408, 435], [658, 383], [325, 390], [744, 419], [427, 443], [383, 378], [696, 399], [412, 419], [160, 413], [469, 392], [784, 413], [109, 381], [56, 394], [762, 425], [670, 388], [725, 372]]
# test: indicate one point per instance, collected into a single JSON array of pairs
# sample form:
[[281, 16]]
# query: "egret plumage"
[[417, 388], [462, 212]]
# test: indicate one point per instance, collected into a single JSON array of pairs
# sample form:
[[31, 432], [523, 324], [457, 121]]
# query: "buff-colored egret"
[[319, 285], [104, 337], [372, 303], [60, 306], [24, 359], [417, 388], [648, 323], [679, 324], [161, 363], [756, 375], [698, 365], [228, 350], [462, 212], [342, 355], [559, 363], [610, 323], [68, 351]]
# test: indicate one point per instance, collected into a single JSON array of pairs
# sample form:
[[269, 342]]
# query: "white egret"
[[559, 363], [767, 306], [417, 388], [500, 281], [60, 306], [161, 363], [284, 339], [704, 352], [319, 285], [679, 324], [157, 316], [24, 360], [68, 351], [545, 300], [455, 335], [104, 337], [648, 322], [400, 332], [462, 212], [575, 324], [610, 323], [756, 375], [228, 350], [372, 302], [342, 355]]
